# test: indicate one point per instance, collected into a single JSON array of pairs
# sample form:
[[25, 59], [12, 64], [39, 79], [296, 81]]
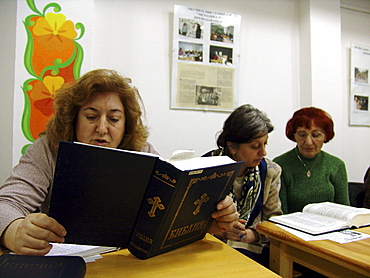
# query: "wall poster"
[[359, 85], [205, 60]]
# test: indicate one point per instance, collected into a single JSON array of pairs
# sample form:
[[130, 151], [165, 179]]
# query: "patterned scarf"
[[251, 201], [250, 191]]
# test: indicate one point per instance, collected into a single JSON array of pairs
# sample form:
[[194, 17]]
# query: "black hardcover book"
[[16, 266], [110, 197], [97, 193], [178, 205]]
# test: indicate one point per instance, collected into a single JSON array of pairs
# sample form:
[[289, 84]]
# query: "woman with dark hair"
[[310, 175], [101, 108], [256, 189]]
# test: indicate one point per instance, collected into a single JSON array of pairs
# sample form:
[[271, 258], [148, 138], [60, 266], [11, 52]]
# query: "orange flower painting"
[[52, 57], [41, 99], [51, 45], [54, 32]]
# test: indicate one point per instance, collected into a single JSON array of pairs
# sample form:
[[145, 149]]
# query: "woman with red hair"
[[310, 175]]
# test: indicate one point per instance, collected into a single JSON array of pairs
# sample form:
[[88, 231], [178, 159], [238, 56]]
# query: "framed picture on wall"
[[205, 60]]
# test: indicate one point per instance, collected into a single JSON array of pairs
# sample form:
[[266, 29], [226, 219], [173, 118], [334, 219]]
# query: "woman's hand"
[[224, 217], [32, 235], [240, 233]]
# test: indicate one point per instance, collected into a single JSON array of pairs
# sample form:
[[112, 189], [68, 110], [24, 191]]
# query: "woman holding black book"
[[101, 108], [256, 189]]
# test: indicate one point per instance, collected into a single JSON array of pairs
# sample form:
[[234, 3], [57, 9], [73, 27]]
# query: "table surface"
[[352, 255], [205, 258]]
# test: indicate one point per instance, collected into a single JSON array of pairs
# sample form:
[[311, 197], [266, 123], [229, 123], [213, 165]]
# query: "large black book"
[[16, 266], [135, 200]]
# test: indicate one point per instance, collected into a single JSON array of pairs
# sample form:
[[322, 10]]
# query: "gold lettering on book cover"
[[165, 178], [156, 204], [204, 198], [144, 238], [186, 229]]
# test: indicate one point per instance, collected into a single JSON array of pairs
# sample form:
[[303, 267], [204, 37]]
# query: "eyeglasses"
[[316, 135]]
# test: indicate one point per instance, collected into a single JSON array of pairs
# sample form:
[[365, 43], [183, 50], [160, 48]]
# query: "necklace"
[[304, 164]]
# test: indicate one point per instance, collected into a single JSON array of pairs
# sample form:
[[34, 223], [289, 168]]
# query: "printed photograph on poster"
[[189, 51], [359, 86], [361, 103], [191, 28], [362, 76], [208, 95], [206, 48], [221, 55], [222, 33]]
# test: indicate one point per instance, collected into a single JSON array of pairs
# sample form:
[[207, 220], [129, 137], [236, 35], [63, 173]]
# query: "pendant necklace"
[[304, 164]]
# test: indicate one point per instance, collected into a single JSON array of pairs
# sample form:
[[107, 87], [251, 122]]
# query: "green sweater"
[[328, 180]]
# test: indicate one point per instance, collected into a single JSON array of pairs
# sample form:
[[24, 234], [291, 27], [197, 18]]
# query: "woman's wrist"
[[250, 235], [8, 236]]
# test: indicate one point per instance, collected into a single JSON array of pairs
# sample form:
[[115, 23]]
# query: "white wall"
[[356, 140], [7, 59], [289, 50], [142, 50]]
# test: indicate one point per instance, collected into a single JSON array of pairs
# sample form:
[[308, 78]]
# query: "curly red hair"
[[305, 117]]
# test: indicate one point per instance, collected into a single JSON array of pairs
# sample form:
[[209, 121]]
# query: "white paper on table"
[[339, 236]]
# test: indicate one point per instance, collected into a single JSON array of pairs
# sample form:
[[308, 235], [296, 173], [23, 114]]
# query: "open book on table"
[[135, 200], [320, 218]]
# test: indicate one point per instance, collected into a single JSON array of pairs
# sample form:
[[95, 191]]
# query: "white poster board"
[[205, 60], [360, 87]]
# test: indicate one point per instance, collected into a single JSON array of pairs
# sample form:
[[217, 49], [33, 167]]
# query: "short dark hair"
[[243, 125], [307, 116]]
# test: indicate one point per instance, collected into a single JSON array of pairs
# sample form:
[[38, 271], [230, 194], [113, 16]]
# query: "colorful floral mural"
[[52, 57]]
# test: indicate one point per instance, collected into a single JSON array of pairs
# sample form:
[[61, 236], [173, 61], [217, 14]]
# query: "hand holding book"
[[226, 215], [37, 228]]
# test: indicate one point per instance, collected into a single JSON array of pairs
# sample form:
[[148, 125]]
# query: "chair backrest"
[[356, 194]]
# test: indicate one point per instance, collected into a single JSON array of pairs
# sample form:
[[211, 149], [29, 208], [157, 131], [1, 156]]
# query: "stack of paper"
[[89, 253]]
